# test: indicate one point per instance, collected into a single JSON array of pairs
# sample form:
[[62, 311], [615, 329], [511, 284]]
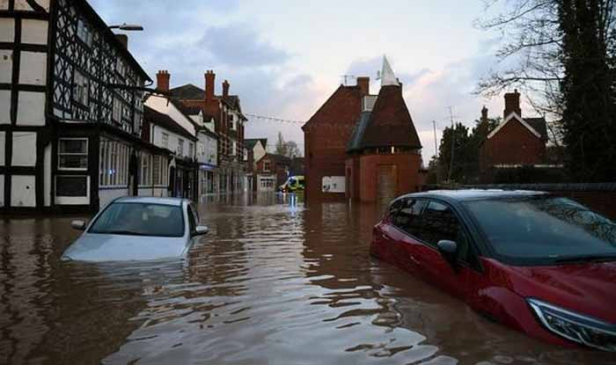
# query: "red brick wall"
[[365, 174], [275, 169], [325, 138], [514, 144]]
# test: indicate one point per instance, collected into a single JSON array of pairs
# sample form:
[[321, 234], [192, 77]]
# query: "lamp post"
[[127, 27]]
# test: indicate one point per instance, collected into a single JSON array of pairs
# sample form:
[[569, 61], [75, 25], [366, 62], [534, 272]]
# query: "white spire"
[[387, 75]]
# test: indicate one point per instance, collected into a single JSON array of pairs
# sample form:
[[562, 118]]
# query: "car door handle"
[[414, 259]]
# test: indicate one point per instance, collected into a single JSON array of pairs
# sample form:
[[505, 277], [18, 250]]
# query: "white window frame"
[[73, 154], [269, 164]]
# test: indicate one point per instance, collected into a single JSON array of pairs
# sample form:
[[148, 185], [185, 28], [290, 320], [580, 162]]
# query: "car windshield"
[[140, 219], [545, 230]]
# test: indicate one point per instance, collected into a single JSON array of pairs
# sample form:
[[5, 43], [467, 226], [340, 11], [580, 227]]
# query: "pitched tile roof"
[[165, 121], [390, 123], [190, 110], [252, 142], [188, 91], [538, 125], [357, 136]]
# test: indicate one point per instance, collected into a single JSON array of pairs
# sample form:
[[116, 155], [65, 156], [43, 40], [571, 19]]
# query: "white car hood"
[[113, 247]]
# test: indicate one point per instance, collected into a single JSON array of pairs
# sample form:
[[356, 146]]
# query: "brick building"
[[272, 171], [516, 142], [361, 146], [325, 136], [226, 112]]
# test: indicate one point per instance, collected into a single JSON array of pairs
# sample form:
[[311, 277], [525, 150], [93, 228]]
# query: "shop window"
[[73, 154]]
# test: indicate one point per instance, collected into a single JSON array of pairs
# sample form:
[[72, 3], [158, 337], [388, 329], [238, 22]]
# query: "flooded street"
[[274, 282]]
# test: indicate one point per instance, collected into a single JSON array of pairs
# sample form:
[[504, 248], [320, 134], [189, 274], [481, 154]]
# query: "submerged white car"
[[137, 228]]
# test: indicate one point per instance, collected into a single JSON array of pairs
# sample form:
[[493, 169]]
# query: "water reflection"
[[275, 281]]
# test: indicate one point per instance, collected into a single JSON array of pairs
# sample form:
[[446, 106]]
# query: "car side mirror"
[[201, 230], [78, 225], [449, 251]]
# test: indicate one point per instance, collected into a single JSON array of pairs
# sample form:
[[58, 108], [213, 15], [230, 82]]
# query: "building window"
[[156, 173], [117, 110], [114, 162], [121, 67], [180, 150], [267, 166], [165, 139], [145, 170], [81, 88], [72, 186], [84, 33], [73, 154], [191, 149]]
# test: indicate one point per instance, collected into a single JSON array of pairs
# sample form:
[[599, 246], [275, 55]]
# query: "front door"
[[439, 222], [386, 187]]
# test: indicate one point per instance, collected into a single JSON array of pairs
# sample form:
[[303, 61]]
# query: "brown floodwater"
[[274, 282]]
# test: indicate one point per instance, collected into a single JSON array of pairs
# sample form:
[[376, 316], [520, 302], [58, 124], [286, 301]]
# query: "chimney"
[[122, 38], [210, 76], [162, 80], [512, 103], [364, 85], [225, 88], [484, 115]]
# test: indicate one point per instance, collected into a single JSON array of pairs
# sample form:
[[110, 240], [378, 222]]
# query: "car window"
[[407, 215], [193, 218], [542, 230], [140, 219], [439, 222]]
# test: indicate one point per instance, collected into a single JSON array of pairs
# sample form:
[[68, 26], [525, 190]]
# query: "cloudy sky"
[[285, 58]]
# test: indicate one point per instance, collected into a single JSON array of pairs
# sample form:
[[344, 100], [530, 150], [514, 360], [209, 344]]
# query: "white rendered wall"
[[2, 149], [33, 68], [7, 30], [24, 149], [258, 151], [23, 191], [31, 108], [172, 144], [162, 105], [5, 106], [34, 31], [23, 5], [1, 190], [6, 66]]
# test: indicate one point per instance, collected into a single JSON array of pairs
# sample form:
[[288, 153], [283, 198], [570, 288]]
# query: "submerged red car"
[[538, 263]]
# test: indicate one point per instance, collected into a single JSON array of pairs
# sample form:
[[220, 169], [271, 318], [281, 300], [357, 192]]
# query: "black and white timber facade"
[[71, 110]]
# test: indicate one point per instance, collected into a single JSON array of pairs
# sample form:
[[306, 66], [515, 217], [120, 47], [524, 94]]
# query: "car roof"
[[151, 200], [475, 194]]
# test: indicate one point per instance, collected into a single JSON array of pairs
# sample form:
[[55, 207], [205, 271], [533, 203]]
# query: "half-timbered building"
[[71, 108]]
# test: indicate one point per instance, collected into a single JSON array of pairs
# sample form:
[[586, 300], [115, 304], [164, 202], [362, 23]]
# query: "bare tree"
[[529, 58]]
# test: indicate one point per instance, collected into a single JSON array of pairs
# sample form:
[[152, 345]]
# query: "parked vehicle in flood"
[[137, 228], [540, 264], [293, 184]]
